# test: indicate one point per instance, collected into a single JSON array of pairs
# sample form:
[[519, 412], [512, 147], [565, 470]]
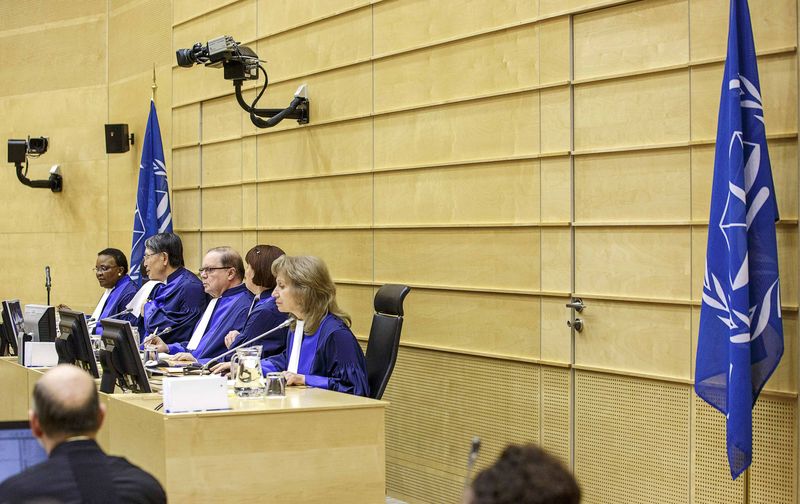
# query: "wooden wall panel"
[[334, 148], [556, 263], [640, 110], [500, 324], [476, 258], [322, 44], [357, 301], [774, 26], [211, 239], [556, 191], [222, 163], [186, 124], [224, 119], [186, 209], [556, 119], [555, 41], [505, 126], [411, 23], [185, 167], [222, 208], [348, 253], [236, 19], [139, 31], [558, 7], [647, 338], [497, 62], [602, 38], [556, 337], [459, 194], [193, 251], [192, 85], [334, 201], [276, 16], [187, 9], [633, 262], [639, 186]]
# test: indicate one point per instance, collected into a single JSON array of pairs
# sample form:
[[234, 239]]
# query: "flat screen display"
[[18, 449]]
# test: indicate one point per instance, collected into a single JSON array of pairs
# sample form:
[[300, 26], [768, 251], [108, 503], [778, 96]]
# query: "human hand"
[[230, 337], [184, 357], [223, 368], [294, 378], [156, 342]]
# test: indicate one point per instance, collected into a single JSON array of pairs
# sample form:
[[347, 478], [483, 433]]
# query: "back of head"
[[230, 258], [312, 282], [66, 402], [169, 243], [260, 259], [525, 475]]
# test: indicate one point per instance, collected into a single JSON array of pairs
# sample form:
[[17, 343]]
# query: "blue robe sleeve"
[[341, 365], [262, 319], [276, 362]]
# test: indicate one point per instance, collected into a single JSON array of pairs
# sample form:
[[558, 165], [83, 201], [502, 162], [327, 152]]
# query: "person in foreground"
[[221, 274], [65, 418], [322, 352], [524, 474], [178, 303], [264, 314]]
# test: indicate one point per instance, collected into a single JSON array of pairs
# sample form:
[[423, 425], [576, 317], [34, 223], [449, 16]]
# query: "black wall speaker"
[[117, 138]]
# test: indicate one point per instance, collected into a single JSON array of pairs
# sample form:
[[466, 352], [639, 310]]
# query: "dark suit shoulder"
[[134, 485]]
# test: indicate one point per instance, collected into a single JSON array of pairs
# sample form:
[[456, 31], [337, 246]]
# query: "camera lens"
[[185, 57], [37, 145]]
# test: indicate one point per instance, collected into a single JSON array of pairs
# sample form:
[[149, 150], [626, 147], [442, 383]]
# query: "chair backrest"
[[384, 337]]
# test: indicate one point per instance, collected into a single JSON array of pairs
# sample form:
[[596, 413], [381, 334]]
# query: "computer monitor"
[[40, 321], [13, 323], [19, 450], [74, 345], [120, 359]]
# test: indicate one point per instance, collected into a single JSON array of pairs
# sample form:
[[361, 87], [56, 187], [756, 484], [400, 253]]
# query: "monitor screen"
[[13, 322], [74, 345], [120, 359], [40, 321], [18, 449]]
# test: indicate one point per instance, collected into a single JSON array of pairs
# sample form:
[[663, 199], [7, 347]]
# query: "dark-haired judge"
[[178, 302], [264, 314], [222, 274]]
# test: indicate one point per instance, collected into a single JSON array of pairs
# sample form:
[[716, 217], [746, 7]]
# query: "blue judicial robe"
[[119, 297], [331, 358], [178, 304], [263, 317], [229, 314]]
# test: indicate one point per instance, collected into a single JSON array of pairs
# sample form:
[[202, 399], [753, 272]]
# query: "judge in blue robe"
[[177, 304], [221, 273], [322, 350], [111, 270], [263, 314]]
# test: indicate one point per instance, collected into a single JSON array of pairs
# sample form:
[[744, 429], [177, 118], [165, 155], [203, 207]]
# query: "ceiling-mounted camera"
[[20, 150], [241, 63]]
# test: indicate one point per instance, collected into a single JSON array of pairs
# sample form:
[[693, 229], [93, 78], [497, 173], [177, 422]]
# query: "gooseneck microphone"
[[474, 451], [286, 323], [93, 322], [47, 282]]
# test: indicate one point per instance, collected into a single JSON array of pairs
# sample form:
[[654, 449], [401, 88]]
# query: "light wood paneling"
[[322, 44], [641, 110], [501, 324], [185, 9], [633, 262], [556, 337], [649, 186], [486, 193], [213, 239], [236, 19], [222, 208], [556, 267], [602, 38], [186, 167], [778, 74], [773, 477], [186, 209], [555, 41], [224, 119], [647, 338], [497, 127], [357, 301], [222, 163], [482, 258], [185, 124], [339, 201], [348, 253], [411, 23], [555, 7], [192, 85], [275, 16], [774, 26], [557, 189], [249, 206], [140, 29], [333, 148], [192, 250], [494, 63], [556, 118]]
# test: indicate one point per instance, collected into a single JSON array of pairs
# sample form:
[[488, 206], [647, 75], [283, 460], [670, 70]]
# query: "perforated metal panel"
[[555, 412], [439, 402], [774, 467], [631, 440], [712, 482]]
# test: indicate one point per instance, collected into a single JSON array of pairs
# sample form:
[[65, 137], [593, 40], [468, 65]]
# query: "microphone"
[[473, 456], [156, 334], [47, 282], [205, 366], [126, 311]]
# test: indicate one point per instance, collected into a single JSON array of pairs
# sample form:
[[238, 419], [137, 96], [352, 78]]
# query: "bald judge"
[[65, 418], [222, 275]]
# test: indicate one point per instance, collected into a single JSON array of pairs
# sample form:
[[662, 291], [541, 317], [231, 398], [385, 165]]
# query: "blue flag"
[[741, 333], [153, 214]]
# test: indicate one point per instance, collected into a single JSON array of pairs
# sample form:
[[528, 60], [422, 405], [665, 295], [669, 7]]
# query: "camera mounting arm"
[[298, 109], [55, 183]]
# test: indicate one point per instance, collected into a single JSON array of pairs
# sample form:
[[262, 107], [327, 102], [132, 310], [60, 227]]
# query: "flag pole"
[[154, 86], [746, 486]]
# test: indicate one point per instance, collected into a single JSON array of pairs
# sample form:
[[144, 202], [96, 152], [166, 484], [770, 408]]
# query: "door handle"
[[577, 324], [576, 304]]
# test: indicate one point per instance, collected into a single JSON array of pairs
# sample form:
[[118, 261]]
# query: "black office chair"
[[384, 337]]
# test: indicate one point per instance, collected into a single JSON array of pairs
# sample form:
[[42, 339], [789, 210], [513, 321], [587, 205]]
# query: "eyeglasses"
[[148, 256], [206, 271], [104, 269]]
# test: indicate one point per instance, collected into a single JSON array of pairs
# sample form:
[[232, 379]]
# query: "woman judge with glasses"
[[321, 349], [178, 301]]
